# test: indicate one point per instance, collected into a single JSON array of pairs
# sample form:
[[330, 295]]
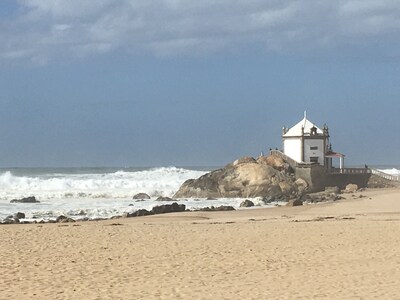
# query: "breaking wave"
[[163, 181]]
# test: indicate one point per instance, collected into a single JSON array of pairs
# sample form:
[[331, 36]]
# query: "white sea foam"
[[392, 171], [120, 184], [98, 194]]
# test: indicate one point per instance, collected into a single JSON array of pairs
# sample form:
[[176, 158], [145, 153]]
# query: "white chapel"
[[306, 143]]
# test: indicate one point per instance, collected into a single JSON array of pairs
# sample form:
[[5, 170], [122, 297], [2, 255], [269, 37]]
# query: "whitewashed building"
[[307, 143]]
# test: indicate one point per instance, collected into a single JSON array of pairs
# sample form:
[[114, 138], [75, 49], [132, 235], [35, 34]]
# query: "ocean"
[[94, 192], [100, 192]]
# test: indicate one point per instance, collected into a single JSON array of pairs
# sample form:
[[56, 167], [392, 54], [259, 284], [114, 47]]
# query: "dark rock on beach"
[[19, 215], [161, 198], [139, 213], [329, 194], [10, 220], [218, 208], [64, 219], [168, 208], [160, 209], [31, 199], [244, 178], [294, 202], [247, 203], [141, 196]]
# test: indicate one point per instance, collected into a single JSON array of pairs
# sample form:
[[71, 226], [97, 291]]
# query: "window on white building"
[[314, 148], [314, 159]]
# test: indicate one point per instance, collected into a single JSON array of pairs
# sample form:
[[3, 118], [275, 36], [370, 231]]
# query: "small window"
[[314, 148], [314, 159]]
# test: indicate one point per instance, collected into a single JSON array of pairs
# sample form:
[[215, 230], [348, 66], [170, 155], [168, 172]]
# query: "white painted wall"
[[320, 152], [292, 148]]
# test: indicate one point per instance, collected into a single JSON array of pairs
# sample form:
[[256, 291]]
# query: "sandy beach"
[[348, 249]]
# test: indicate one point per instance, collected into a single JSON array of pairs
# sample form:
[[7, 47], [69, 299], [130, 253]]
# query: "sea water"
[[95, 192], [101, 192]]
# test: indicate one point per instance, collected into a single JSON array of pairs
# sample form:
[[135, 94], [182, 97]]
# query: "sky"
[[194, 83]]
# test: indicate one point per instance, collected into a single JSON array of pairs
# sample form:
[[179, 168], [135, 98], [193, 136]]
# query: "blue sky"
[[170, 82]]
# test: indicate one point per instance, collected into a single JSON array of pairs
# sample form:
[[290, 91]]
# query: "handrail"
[[385, 175], [349, 171]]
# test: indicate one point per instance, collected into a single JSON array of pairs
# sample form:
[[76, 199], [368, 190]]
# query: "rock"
[[10, 220], [139, 213], [301, 184], [332, 189], [64, 219], [141, 196], [19, 215], [247, 203], [351, 188], [277, 162], [244, 178], [218, 208], [168, 208], [321, 197], [244, 160], [25, 200], [378, 182], [294, 202], [161, 198]]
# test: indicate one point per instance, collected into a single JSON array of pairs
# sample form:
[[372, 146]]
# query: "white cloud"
[[46, 29]]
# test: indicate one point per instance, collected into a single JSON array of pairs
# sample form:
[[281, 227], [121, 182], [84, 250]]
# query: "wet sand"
[[349, 249]]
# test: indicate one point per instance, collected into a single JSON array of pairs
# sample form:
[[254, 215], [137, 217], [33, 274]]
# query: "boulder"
[[31, 199], [64, 219], [301, 184], [351, 188], [141, 196], [10, 220], [139, 213], [19, 215], [244, 178], [218, 208], [161, 198], [247, 203], [294, 202], [168, 208]]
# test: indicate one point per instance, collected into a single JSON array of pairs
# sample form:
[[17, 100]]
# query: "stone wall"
[[318, 178]]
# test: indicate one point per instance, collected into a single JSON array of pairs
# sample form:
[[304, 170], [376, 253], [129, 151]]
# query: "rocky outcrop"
[[25, 200], [244, 178], [141, 196], [274, 161]]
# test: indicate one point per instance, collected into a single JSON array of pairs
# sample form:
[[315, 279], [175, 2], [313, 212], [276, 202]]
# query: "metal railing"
[[386, 175], [350, 171]]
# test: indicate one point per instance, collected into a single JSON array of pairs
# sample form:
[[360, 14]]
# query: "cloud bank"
[[44, 30]]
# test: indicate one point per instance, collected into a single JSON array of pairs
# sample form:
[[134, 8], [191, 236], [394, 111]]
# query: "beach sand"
[[349, 249]]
